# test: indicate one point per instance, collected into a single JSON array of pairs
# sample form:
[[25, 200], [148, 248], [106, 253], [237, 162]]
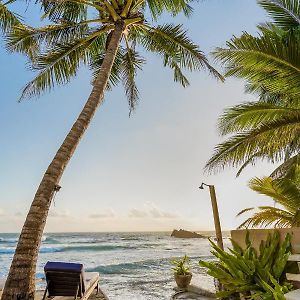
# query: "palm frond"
[[250, 161], [171, 41], [284, 191], [265, 60], [28, 40], [250, 115], [8, 19], [288, 168], [61, 64], [157, 7], [272, 98], [268, 216], [241, 147], [178, 73], [131, 63], [21, 39], [246, 210], [285, 13], [66, 10]]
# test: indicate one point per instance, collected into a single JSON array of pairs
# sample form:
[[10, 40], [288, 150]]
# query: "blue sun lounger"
[[69, 279]]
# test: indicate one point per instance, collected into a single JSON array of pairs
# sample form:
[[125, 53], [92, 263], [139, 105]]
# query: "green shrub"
[[244, 272]]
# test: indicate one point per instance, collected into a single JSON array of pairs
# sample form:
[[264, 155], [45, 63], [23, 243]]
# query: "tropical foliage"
[[285, 192], [267, 129], [254, 276]]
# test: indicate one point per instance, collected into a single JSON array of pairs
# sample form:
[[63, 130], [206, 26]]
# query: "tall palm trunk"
[[20, 283]]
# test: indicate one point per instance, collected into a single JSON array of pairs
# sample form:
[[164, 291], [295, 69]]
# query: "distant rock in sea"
[[185, 234]]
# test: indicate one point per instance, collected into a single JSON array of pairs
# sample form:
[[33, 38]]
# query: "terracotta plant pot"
[[183, 281]]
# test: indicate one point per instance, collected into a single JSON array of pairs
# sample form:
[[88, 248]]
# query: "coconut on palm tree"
[[284, 192], [267, 129], [103, 35]]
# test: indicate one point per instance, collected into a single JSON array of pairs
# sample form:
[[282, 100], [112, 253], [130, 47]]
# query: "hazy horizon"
[[147, 231]]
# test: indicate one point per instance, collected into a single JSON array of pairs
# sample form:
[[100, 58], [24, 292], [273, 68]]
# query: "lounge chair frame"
[[79, 289]]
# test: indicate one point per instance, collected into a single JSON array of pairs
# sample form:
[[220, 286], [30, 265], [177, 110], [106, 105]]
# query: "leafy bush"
[[244, 272], [181, 266]]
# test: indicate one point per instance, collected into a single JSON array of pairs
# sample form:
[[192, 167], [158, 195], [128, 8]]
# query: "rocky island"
[[185, 234]]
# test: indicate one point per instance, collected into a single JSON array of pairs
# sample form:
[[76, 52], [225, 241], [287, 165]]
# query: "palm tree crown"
[[270, 63], [81, 30]]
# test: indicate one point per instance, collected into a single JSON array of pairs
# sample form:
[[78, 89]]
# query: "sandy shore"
[[94, 296], [193, 292], [200, 289]]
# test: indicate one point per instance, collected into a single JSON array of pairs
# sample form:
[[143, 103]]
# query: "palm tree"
[[270, 63], [103, 35], [284, 191]]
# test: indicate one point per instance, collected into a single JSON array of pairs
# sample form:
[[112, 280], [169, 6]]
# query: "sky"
[[129, 174]]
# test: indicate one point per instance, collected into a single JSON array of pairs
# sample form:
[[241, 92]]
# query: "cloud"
[[151, 211], [137, 213], [157, 213], [2, 213], [59, 214], [105, 214]]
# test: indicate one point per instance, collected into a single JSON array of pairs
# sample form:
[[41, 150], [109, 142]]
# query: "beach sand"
[[194, 292], [94, 296], [199, 289]]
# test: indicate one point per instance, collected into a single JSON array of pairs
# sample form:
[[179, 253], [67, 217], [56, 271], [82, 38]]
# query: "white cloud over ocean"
[[151, 210], [104, 214]]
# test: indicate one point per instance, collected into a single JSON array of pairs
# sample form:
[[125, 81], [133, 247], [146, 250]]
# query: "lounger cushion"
[[63, 267]]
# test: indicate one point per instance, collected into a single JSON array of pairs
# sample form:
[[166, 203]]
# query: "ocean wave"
[[7, 250], [132, 239], [126, 268], [108, 247], [96, 248], [123, 268], [79, 248], [44, 238], [50, 249], [13, 240], [8, 240], [74, 240], [11, 250], [130, 267]]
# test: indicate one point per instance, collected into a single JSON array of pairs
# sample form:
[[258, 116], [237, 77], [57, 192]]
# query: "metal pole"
[[214, 205]]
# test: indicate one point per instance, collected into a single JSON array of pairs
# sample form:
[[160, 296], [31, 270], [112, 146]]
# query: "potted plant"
[[182, 273]]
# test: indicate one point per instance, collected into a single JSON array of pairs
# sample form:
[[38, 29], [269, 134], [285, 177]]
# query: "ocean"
[[132, 266]]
